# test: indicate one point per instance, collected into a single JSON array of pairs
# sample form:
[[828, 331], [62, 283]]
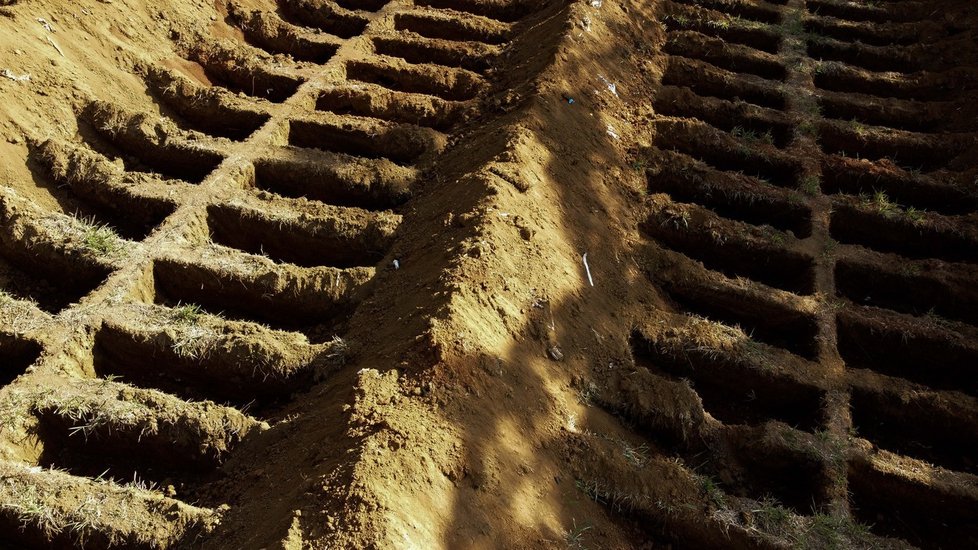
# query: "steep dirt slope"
[[468, 273]]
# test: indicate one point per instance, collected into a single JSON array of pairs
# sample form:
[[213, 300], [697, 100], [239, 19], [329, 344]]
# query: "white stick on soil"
[[588, 270], [55, 46]]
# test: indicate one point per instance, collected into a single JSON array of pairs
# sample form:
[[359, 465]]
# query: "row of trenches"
[[435, 52], [293, 272], [742, 400], [123, 206], [169, 390], [107, 423], [900, 156], [731, 244], [130, 171], [228, 327]]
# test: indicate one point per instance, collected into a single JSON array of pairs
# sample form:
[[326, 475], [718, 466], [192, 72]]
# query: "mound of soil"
[[489, 273]]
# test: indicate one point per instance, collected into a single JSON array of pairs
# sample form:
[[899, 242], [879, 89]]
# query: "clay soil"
[[489, 274]]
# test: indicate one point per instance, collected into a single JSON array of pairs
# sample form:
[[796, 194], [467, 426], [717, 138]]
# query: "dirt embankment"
[[488, 274]]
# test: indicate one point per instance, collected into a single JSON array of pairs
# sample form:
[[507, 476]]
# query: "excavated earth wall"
[[489, 273]]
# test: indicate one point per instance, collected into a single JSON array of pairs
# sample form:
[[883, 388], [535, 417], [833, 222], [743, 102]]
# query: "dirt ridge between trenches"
[[492, 395], [780, 237]]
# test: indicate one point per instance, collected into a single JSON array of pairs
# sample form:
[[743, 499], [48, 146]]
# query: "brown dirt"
[[489, 274]]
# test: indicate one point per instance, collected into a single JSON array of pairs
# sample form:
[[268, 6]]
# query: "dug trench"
[[640, 318]]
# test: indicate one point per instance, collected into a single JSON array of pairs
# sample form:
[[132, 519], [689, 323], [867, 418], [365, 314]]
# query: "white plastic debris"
[[610, 85], [597, 3], [56, 46], [611, 132], [7, 73], [397, 264], [587, 269]]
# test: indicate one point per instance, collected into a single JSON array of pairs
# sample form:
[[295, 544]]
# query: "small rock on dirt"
[[555, 353]]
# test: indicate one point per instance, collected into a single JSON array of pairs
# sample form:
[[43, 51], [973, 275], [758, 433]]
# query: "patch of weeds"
[[817, 39], [745, 151], [635, 455], [718, 237], [114, 121], [916, 216], [802, 67], [791, 439], [748, 24], [712, 490], [194, 342], [680, 219], [810, 185], [755, 352], [833, 449], [720, 24], [807, 127], [934, 317], [680, 20], [835, 304], [575, 537], [859, 128], [586, 395], [829, 67], [772, 517], [792, 27], [617, 499], [811, 107], [668, 507], [28, 504], [915, 171], [743, 133], [752, 136], [141, 484], [776, 237], [107, 379], [101, 239], [187, 314], [827, 531], [882, 204]]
